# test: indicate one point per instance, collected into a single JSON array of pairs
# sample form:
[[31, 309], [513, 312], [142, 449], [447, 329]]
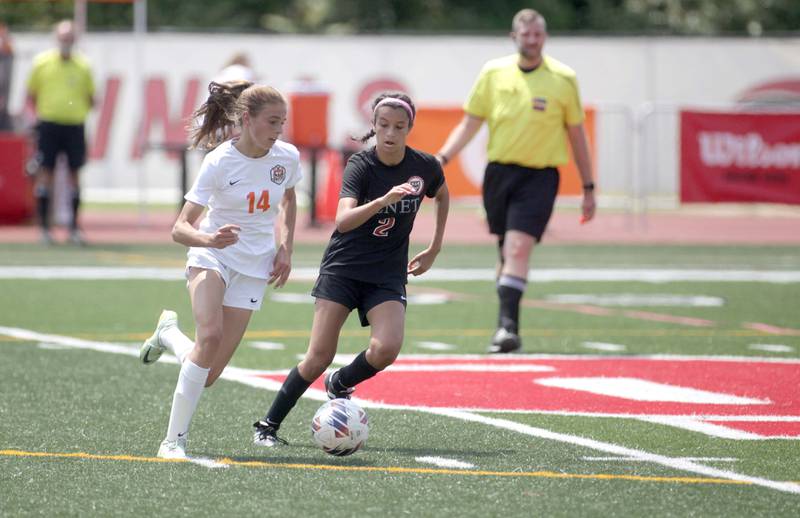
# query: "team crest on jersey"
[[539, 104], [417, 183], [277, 174]]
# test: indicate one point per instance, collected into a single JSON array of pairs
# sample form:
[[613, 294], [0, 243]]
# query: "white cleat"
[[76, 238], [505, 341], [266, 435], [152, 348], [172, 449]]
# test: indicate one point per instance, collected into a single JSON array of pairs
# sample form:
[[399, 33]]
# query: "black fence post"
[[312, 206]]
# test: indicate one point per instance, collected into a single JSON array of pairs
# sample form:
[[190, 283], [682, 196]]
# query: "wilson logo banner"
[[740, 157]]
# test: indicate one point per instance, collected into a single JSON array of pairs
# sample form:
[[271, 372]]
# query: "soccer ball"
[[340, 427]]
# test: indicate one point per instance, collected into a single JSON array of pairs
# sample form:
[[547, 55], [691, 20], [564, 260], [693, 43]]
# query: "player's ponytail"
[[395, 100], [218, 117]]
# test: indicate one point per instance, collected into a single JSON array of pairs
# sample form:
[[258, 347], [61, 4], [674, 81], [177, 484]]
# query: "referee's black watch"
[[588, 187]]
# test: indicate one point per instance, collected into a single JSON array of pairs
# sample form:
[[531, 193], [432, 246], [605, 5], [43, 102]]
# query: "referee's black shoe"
[[504, 341]]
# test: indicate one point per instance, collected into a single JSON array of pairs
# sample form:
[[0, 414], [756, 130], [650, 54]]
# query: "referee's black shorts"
[[353, 293], [519, 198], [61, 138]]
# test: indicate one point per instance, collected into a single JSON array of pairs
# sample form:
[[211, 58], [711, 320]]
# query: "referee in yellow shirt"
[[532, 106], [61, 89]]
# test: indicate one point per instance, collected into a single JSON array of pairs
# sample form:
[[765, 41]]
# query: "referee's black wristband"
[[588, 186]]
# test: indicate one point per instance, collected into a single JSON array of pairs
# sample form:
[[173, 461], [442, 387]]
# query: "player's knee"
[[384, 351], [314, 364], [209, 337], [516, 251]]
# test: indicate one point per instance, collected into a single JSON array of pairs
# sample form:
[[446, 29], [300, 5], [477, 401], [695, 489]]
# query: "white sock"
[[191, 382], [180, 344]]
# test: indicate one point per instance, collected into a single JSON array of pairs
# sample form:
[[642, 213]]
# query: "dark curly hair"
[[390, 95]]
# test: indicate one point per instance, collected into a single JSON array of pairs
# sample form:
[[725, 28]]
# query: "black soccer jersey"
[[377, 251]]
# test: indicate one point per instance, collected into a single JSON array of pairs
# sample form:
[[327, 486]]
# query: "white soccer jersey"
[[244, 191]]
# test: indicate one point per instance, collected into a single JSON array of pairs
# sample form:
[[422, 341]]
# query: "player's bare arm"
[[185, 232], [350, 215], [423, 261], [459, 137], [580, 149], [282, 265]]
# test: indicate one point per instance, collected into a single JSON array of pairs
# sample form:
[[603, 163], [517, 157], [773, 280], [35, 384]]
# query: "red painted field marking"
[[757, 388], [765, 429]]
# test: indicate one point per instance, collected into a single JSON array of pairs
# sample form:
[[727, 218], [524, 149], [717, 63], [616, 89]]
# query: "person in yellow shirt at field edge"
[[532, 106], [60, 89]]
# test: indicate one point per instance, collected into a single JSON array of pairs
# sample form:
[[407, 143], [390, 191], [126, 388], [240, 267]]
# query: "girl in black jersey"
[[365, 265]]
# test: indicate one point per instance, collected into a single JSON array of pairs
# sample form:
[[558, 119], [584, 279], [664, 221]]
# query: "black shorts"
[[358, 294], [519, 198], [61, 138]]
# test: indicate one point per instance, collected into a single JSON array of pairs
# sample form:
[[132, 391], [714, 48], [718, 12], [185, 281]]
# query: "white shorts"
[[241, 291]]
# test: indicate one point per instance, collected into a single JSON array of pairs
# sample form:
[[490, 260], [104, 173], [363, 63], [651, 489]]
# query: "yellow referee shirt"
[[527, 112], [63, 88]]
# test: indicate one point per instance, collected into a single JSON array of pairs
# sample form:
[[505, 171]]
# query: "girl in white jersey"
[[245, 185]]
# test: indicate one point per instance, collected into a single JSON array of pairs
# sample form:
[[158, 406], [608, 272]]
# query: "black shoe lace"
[[267, 431]]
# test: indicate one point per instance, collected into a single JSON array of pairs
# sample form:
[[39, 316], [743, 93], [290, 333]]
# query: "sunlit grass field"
[[81, 420]]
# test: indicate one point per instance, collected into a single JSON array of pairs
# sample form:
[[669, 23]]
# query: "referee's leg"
[[511, 284], [527, 214], [512, 279]]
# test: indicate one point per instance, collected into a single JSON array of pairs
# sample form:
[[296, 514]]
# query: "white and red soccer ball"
[[340, 427]]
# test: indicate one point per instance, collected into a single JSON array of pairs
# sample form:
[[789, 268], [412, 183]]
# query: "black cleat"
[[505, 341], [266, 435], [333, 393]]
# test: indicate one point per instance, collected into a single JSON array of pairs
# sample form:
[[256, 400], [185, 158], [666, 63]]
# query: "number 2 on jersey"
[[263, 201], [382, 230]]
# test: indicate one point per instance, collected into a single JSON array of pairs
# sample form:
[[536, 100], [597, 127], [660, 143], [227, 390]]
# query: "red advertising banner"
[[740, 157]]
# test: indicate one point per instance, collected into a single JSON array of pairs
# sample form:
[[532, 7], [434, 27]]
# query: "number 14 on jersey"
[[263, 202]]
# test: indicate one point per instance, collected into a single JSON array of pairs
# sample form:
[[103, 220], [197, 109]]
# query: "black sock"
[[76, 204], [43, 206], [509, 290], [353, 374], [287, 397]]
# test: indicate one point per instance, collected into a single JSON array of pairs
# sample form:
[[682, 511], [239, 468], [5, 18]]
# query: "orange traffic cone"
[[328, 198]]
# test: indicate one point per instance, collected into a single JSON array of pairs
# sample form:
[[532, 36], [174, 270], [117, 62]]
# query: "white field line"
[[651, 275], [633, 357], [206, 462], [465, 367], [631, 459], [428, 299], [436, 346], [772, 348], [697, 425], [637, 300], [292, 298], [249, 377], [267, 346], [643, 390], [614, 449], [445, 463], [603, 346], [664, 417]]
